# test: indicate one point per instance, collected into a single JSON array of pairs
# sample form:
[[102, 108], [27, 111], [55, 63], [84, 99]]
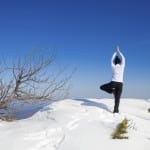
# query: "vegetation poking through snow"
[[121, 130]]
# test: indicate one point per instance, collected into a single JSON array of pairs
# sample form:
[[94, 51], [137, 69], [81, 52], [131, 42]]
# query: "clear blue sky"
[[85, 32]]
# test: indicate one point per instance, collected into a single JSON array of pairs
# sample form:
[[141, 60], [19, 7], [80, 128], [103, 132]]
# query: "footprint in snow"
[[46, 139]]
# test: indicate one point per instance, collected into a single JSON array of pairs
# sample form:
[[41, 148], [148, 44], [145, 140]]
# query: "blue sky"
[[85, 33]]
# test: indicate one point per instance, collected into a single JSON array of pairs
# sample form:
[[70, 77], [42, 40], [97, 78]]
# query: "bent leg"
[[107, 87]]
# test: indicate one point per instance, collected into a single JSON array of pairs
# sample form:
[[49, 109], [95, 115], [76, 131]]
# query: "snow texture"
[[77, 124]]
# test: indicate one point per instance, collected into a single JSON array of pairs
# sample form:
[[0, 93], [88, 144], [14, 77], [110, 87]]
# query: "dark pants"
[[116, 89]]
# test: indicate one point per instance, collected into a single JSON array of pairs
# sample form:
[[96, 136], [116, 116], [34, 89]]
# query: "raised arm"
[[114, 55], [122, 57], [112, 59]]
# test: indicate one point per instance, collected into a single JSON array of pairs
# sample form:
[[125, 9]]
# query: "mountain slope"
[[77, 124]]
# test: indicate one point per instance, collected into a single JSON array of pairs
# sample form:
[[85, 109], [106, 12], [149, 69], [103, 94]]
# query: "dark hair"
[[117, 60]]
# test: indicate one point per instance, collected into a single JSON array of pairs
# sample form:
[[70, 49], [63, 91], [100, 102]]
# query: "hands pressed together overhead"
[[117, 49]]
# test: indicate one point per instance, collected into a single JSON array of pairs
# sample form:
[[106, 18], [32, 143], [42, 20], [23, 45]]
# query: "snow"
[[76, 124]]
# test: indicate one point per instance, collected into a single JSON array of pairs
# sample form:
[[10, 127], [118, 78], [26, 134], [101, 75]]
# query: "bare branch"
[[31, 79]]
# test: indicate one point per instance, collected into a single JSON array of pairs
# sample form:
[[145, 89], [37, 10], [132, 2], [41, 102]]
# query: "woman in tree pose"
[[116, 85]]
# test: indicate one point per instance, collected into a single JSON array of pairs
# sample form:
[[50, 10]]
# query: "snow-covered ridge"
[[77, 124]]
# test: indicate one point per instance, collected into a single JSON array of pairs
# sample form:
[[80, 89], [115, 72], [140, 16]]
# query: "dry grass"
[[7, 119], [121, 130]]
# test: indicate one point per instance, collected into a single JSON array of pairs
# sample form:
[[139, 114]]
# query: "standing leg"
[[107, 87], [117, 95]]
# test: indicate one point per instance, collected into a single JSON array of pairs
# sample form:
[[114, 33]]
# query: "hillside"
[[77, 124]]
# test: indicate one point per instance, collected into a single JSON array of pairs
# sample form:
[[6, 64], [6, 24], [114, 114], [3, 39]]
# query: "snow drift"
[[77, 124]]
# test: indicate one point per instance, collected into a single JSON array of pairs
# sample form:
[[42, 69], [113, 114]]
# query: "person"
[[116, 85]]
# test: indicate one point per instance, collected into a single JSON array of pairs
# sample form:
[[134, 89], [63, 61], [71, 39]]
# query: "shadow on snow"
[[88, 102]]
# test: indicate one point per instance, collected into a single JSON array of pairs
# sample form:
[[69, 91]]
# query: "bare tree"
[[29, 78]]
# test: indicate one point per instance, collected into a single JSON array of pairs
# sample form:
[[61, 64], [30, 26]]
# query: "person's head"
[[117, 60]]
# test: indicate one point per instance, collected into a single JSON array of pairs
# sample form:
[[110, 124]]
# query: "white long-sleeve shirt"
[[118, 69]]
